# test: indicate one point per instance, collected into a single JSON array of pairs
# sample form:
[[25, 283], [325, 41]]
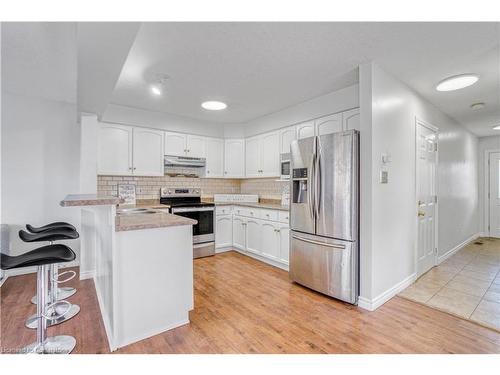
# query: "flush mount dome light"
[[457, 82], [158, 85], [213, 105], [156, 90], [497, 127], [477, 106]]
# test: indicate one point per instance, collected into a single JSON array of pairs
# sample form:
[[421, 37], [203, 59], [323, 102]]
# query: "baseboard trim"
[[382, 298], [461, 245], [223, 250]]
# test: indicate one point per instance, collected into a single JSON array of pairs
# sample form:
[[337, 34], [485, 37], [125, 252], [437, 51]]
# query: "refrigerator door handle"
[[310, 187], [318, 242], [317, 183]]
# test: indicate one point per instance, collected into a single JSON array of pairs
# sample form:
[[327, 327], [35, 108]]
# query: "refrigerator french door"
[[324, 214]]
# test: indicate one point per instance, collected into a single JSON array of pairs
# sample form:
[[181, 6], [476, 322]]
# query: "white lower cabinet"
[[270, 239], [223, 231], [253, 236], [239, 232], [284, 240]]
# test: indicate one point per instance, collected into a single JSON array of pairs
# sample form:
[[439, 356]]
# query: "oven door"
[[203, 231]]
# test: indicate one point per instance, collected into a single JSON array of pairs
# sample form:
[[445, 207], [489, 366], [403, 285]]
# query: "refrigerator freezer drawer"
[[326, 265]]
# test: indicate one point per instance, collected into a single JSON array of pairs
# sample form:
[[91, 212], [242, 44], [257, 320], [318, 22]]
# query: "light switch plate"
[[384, 177]]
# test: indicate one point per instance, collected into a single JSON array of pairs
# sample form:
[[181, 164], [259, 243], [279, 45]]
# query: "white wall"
[[40, 163], [337, 101], [388, 223], [88, 154], [485, 144]]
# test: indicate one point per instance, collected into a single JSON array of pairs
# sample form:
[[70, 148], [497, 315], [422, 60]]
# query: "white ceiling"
[[260, 68]]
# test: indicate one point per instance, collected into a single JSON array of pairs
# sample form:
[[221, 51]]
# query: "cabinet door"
[[223, 231], [175, 144], [148, 152], [329, 124], [239, 224], [234, 158], [214, 148], [252, 157], [305, 130], [195, 146], [270, 240], [350, 119], [253, 236], [284, 244], [114, 154], [270, 155], [287, 136]]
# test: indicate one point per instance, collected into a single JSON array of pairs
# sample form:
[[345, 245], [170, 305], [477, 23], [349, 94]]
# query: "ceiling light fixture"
[[496, 127], [156, 90], [477, 106], [159, 83], [213, 105], [457, 82]]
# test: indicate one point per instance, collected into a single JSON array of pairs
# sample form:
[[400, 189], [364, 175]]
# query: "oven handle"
[[192, 209]]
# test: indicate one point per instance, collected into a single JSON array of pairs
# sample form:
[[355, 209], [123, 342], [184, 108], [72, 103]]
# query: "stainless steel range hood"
[[184, 161]]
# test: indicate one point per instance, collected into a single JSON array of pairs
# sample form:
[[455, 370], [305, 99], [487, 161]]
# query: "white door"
[[175, 144], [114, 155], [252, 157], [494, 193], [270, 155], [284, 235], [350, 119], [253, 236], [214, 149], [287, 136], [148, 152], [329, 124], [223, 231], [234, 158], [426, 162], [305, 130], [239, 225], [270, 240], [195, 146]]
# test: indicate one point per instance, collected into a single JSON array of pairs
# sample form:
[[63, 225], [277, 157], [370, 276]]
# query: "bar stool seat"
[[56, 234], [55, 225], [42, 258]]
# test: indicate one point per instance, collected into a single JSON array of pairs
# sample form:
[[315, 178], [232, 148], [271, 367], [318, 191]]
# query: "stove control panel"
[[179, 192]]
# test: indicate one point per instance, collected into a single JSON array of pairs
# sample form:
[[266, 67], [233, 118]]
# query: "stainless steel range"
[[187, 202]]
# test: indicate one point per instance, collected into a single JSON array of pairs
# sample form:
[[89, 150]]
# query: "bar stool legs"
[[62, 344], [58, 293]]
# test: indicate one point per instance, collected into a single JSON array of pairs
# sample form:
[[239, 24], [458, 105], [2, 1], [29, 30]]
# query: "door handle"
[[421, 213], [310, 180], [317, 183], [318, 243]]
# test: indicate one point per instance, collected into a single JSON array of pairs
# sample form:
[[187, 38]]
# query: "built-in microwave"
[[285, 166]]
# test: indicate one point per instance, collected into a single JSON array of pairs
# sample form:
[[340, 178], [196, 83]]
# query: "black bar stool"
[[53, 315], [62, 293], [43, 257]]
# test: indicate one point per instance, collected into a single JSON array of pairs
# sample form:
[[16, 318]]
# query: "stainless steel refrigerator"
[[324, 209]]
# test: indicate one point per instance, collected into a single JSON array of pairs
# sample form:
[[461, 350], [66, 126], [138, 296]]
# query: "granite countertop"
[[138, 221], [74, 200]]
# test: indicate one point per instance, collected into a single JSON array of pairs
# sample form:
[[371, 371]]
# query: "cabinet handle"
[[129, 168], [225, 172], [208, 172], [135, 168]]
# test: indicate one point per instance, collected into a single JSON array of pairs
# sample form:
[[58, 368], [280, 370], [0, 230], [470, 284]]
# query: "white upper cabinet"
[[214, 152], [148, 152], [114, 155], [234, 158], [305, 130], [329, 124], [262, 155], [350, 119], [287, 136], [195, 146], [270, 155], [175, 144], [252, 158]]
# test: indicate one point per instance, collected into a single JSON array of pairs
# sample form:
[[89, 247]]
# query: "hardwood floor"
[[245, 306]]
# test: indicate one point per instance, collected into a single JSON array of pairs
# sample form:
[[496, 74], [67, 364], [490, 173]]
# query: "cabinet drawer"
[[269, 214], [223, 210], [283, 216], [246, 211]]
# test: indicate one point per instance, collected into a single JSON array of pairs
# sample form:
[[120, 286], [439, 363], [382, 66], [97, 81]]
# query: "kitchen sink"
[[132, 211]]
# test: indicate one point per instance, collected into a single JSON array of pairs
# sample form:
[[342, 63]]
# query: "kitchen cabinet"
[[214, 150], [234, 158], [223, 231], [270, 240], [305, 130], [129, 151], [350, 119], [286, 137], [175, 144], [284, 243], [114, 152], [239, 232], [329, 124], [253, 236], [195, 146], [262, 155], [147, 152]]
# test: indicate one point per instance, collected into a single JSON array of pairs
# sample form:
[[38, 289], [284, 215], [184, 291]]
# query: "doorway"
[[494, 194], [426, 195]]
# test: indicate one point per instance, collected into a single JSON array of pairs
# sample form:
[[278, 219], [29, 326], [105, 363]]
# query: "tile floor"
[[467, 284]]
